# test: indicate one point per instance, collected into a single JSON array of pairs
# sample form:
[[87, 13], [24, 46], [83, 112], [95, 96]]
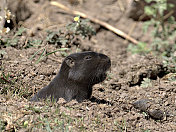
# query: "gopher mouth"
[[99, 78], [103, 72], [103, 76]]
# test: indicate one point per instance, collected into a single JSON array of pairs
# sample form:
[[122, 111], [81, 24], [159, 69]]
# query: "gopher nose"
[[104, 58]]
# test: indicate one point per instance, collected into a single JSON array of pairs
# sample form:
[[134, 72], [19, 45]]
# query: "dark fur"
[[78, 73]]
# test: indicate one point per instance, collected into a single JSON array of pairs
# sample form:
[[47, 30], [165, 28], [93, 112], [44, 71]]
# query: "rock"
[[142, 104], [145, 105], [157, 114]]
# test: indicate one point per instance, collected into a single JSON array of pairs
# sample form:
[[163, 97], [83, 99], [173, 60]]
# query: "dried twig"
[[121, 5], [169, 14], [104, 24]]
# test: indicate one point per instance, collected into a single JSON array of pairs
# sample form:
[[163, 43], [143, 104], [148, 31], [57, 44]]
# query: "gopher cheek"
[[75, 76]]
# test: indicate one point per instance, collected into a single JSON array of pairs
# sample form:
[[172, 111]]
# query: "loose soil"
[[117, 104]]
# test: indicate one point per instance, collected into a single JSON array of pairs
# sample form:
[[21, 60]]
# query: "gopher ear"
[[70, 62]]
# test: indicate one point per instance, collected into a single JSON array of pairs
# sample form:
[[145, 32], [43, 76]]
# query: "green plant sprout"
[[14, 40], [163, 33], [146, 83], [81, 27], [141, 48]]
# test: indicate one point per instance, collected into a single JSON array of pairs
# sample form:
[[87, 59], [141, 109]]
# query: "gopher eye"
[[88, 57]]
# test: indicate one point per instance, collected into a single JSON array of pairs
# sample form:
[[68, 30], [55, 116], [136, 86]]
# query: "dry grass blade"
[[104, 24]]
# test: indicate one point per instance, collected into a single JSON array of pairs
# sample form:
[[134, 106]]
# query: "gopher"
[[77, 75]]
